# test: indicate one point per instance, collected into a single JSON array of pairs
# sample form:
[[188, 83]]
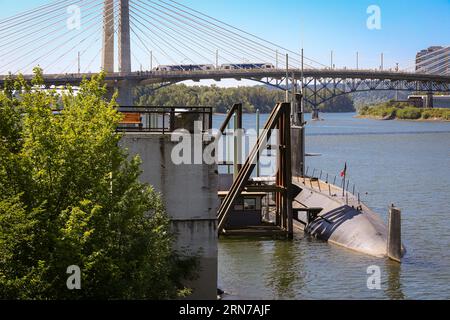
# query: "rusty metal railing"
[[165, 119]]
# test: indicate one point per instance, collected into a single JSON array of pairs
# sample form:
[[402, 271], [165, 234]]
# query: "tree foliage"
[[69, 195], [252, 98], [404, 111]]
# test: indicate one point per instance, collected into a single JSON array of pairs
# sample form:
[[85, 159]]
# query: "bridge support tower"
[[124, 87], [430, 104]]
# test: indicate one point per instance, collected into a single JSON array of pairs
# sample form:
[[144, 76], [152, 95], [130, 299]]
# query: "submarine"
[[294, 202], [331, 213]]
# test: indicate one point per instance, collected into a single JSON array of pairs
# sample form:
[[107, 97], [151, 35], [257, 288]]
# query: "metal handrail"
[[163, 119], [328, 179]]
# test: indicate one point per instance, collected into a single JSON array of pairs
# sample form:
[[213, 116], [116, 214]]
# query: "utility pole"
[[302, 88], [277, 59], [331, 65], [217, 59], [151, 60], [79, 63], [382, 62], [357, 60], [287, 77], [302, 74]]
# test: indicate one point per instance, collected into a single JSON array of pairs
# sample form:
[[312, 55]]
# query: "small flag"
[[344, 172]]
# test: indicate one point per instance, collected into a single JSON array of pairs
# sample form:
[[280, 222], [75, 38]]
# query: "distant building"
[[420, 101], [434, 60]]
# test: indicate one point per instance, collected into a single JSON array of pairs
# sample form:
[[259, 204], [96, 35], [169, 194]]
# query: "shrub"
[[409, 113]]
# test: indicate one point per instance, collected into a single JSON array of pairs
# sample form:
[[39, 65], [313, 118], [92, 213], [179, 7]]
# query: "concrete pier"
[[125, 90], [190, 196]]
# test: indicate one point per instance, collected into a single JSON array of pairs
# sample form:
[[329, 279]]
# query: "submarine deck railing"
[[164, 119], [325, 177]]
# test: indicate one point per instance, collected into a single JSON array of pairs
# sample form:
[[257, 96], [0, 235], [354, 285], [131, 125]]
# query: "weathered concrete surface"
[[298, 156], [341, 224], [394, 247], [190, 196], [108, 37]]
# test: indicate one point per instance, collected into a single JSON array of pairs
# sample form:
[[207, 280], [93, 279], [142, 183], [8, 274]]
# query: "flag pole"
[[344, 174]]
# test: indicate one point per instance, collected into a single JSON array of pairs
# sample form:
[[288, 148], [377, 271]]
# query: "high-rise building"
[[434, 60]]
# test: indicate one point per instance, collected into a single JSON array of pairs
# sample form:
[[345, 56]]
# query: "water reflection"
[[286, 270], [394, 285]]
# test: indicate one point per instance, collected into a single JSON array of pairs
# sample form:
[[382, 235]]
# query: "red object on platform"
[[344, 172]]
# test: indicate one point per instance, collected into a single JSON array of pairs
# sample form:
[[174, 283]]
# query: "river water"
[[405, 163]]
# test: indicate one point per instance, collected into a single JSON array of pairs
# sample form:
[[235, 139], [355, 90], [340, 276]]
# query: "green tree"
[[70, 196], [252, 98]]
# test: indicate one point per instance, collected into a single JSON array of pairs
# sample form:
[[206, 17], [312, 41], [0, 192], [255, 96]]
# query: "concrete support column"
[[430, 104], [125, 88], [190, 196], [108, 37], [315, 114], [124, 37]]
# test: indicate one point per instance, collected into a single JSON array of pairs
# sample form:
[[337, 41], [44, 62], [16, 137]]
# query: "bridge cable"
[[151, 40], [35, 41], [53, 40], [186, 46], [15, 19], [97, 31], [168, 44], [189, 33], [208, 33], [240, 30], [224, 36], [29, 34]]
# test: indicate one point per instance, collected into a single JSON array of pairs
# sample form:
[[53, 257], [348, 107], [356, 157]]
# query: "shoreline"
[[397, 119]]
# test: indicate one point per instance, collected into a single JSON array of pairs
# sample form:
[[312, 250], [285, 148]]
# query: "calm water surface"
[[405, 163]]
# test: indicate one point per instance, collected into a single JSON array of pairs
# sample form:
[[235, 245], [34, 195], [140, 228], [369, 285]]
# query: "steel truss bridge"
[[168, 32], [323, 85]]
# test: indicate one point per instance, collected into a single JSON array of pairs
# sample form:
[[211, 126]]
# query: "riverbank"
[[403, 111], [398, 119]]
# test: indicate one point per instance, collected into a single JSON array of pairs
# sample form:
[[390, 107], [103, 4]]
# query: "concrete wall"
[[190, 196]]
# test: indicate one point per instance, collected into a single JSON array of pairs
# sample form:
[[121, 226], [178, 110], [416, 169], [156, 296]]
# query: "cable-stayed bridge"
[[162, 42]]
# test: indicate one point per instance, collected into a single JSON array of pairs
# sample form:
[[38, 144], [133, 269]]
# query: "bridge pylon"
[[124, 87], [108, 37], [124, 37]]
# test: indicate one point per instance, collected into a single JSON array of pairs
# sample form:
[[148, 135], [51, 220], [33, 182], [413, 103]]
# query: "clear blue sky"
[[340, 25], [324, 25]]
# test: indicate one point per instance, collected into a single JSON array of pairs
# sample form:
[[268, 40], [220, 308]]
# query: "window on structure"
[[250, 204], [239, 205]]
